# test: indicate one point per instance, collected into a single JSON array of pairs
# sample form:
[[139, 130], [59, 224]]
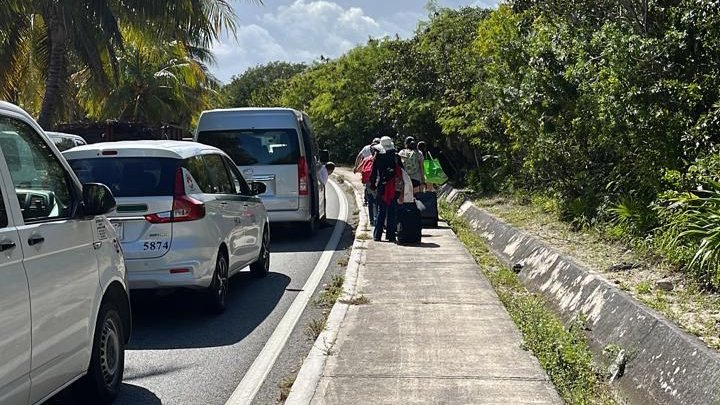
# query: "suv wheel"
[[261, 267], [217, 292], [311, 226], [107, 361]]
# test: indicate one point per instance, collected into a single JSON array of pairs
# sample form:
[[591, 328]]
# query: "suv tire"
[[311, 226]]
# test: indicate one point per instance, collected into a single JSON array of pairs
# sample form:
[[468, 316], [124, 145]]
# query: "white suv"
[[64, 307], [185, 215]]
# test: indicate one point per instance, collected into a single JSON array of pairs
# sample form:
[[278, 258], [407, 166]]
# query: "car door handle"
[[7, 245], [223, 203], [35, 240]]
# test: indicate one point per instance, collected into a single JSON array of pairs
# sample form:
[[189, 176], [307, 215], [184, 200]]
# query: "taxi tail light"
[[184, 207], [303, 181]]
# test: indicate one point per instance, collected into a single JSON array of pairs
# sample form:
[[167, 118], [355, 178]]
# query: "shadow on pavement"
[[179, 320], [135, 394], [286, 238]]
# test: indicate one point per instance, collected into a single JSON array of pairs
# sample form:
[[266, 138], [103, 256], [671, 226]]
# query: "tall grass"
[[692, 220]]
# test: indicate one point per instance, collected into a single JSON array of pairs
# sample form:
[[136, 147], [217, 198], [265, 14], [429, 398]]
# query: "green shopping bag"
[[434, 172]]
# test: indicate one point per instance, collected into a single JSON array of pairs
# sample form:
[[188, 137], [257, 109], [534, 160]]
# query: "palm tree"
[[155, 83], [88, 34]]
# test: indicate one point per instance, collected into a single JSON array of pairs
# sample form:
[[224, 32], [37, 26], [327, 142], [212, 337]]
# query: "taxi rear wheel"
[[261, 267], [216, 293]]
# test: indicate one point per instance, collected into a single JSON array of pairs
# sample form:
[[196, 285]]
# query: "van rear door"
[[270, 156]]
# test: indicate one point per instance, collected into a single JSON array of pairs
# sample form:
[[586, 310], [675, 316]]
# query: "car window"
[[3, 213], [196, 166], [129, 176], [219, 180], [241, 186], [63, 144], [40, 181], [255, 146]]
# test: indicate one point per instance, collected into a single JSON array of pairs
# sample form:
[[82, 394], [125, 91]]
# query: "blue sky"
[[302, 30]]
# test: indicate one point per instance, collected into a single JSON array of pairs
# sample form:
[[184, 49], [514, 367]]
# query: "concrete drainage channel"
[[660, 363], [311, 372]]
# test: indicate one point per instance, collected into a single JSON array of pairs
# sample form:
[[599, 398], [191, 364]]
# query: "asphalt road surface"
[[178, 354]]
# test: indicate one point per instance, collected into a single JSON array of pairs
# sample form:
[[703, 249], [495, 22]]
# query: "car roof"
[[256, 110], [64, 135], [168, 149], [6, 107]]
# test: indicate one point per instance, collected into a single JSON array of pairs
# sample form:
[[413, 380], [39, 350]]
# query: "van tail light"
[[184, 208], [303, 180]]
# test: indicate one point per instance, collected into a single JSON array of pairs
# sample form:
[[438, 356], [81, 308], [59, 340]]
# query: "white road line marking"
[[248, 388]]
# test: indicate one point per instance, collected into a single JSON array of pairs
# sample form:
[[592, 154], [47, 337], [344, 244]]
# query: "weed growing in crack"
[[315, 328], [285, 386], [361, 300]]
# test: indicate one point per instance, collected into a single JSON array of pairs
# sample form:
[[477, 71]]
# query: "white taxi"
[[185, 215]]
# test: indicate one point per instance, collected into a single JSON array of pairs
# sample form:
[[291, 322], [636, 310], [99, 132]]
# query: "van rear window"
[[129, 176], [256, 146]]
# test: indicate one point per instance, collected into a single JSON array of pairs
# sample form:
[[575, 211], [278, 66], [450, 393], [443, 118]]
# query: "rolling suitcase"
[[409, 228], [430, 213]]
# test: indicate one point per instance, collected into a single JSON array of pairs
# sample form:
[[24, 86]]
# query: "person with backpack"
[[364, 153], [365, 169], [412, 162], [386, 184]]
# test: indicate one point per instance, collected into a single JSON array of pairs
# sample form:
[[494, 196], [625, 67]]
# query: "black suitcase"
[[409, 229], [430, 213]]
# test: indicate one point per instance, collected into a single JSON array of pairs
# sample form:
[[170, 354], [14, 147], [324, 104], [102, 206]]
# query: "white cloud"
[[299, 32], [320, 27], [302, 30]]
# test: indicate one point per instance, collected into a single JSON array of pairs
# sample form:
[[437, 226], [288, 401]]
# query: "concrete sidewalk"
[[434, 331]]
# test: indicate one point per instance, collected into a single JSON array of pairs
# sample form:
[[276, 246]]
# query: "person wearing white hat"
[[385, 183]]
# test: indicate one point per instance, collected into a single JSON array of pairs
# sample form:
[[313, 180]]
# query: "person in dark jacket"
[[385, 183]]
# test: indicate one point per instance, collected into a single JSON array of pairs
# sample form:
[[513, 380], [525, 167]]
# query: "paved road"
[[180, 355]]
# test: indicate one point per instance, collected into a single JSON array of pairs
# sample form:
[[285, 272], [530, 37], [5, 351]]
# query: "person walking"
[[386, 183], [365, 169], [365, 152], [412, 162], [422, 148]]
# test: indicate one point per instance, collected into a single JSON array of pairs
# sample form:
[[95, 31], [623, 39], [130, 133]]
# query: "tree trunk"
[[57, 36]]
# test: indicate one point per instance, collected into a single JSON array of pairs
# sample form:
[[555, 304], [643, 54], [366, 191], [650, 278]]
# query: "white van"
[[64, 304], [275, 146]]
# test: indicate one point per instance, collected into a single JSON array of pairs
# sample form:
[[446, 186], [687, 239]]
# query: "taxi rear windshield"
[[256, 146], [129, 176]]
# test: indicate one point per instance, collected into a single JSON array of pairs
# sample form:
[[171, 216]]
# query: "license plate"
[[119, 229]]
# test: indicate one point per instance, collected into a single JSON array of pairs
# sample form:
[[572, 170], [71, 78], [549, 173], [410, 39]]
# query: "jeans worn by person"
[[386, 212], [371, 204]]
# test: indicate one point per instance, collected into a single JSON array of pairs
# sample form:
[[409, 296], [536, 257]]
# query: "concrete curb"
[[664, 364], [308, 378]]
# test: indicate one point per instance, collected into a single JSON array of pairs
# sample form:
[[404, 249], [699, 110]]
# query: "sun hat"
[[385, 145]]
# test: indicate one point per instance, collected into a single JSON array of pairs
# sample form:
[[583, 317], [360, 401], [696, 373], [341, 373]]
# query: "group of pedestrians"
[[381, 166]]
